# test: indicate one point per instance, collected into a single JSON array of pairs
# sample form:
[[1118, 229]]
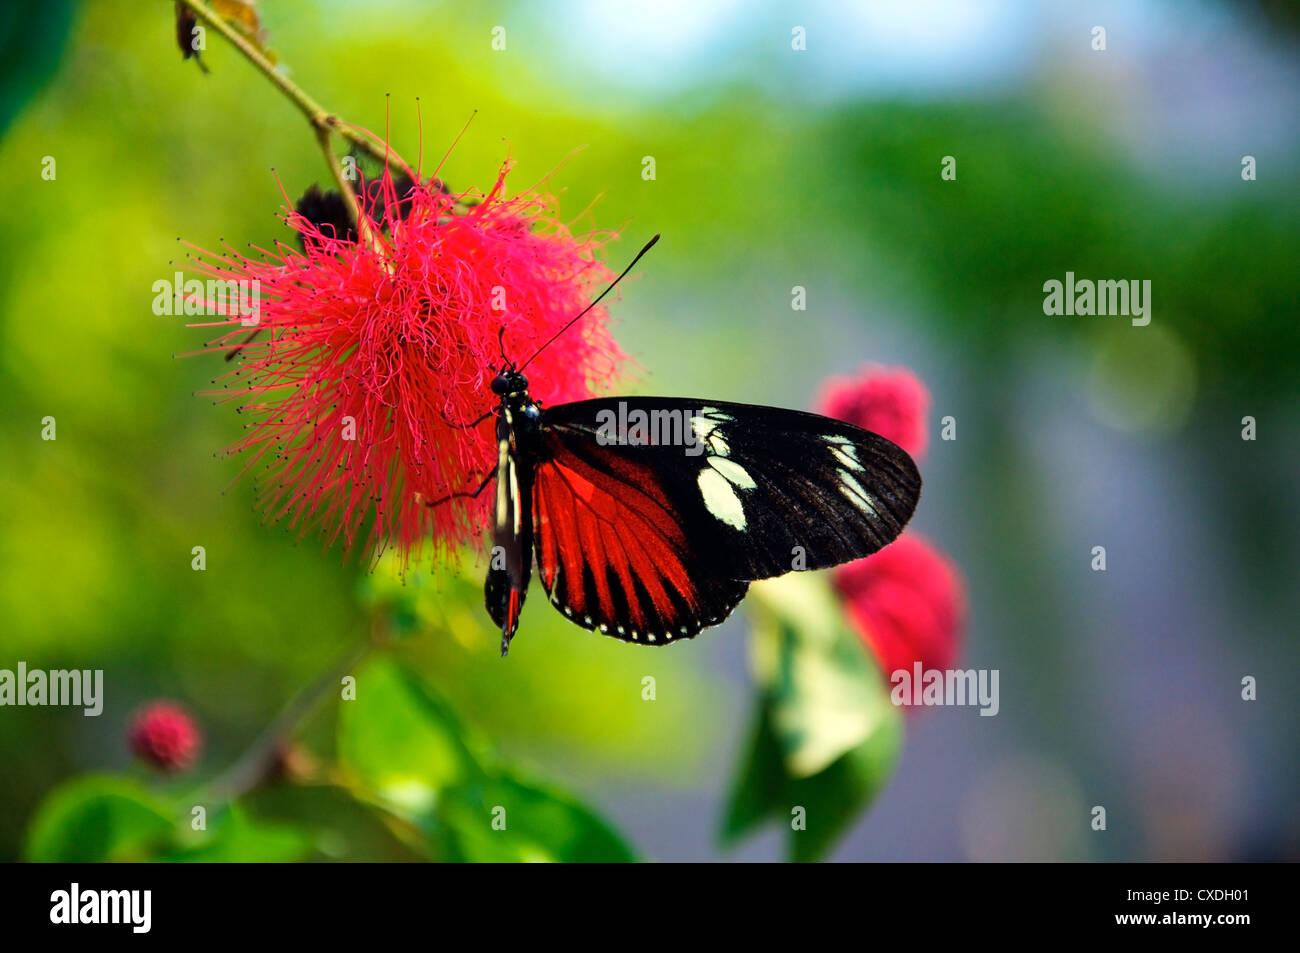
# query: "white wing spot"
[[847, 454], [720, 498], [733, 471], [704, 428], [852, 489]]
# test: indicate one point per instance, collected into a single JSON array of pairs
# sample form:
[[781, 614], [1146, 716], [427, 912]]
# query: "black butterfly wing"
[[666, 514]]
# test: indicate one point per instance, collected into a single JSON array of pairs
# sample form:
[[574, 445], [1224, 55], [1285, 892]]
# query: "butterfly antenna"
[[501, 343], [648, 246]]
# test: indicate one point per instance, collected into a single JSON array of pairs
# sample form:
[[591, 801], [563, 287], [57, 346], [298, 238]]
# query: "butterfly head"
[[509, 381]]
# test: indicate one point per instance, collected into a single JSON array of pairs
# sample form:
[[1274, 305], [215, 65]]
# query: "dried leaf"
[[242, 15]]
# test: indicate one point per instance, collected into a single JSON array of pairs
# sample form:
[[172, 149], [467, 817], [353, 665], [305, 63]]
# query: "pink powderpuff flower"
[[380, 353], [908, 604], [164, 735], [890, 401]]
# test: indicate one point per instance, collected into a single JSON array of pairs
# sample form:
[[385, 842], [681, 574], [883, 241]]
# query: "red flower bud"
[[889, 401], [908, 604], [164, 735]]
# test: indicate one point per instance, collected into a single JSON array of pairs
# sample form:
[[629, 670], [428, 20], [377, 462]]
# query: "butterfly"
[[646, 518]]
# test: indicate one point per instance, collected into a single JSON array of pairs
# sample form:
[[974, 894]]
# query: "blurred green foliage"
[[32, 37], [401, 751]]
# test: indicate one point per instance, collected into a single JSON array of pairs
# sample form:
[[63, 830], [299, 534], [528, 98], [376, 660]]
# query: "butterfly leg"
[[469, 426], [248, 339], [462, 495]]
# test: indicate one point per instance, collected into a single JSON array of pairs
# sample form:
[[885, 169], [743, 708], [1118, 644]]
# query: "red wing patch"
[[612, 552]]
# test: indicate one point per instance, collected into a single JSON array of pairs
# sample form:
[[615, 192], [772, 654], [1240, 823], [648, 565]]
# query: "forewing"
[[751, 491]]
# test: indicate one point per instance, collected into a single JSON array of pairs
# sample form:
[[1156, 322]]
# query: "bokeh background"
[[774, 168]]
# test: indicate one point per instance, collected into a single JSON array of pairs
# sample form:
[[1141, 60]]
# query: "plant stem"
[[252, 768], [364, 231], [320, 118]]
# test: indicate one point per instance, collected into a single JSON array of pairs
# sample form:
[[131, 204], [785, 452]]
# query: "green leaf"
[[401, 741], [759, 790], [343, 825], [99, 818], [829, 800], [506, 819], [833, 798], [826, 695], [407, 753], [234, 837], [826, 737]]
